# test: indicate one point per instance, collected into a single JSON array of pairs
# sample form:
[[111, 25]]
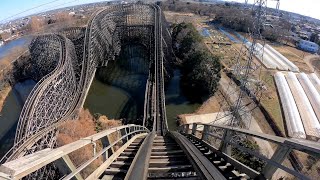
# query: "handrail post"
[[123, 132], [279, 155], [128, 132], [184, 127], [194, 128], [105, 143], [204, 136], [224, 146], [94, 146]]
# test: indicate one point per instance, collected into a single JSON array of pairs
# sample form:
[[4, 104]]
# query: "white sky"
[[305, 7]]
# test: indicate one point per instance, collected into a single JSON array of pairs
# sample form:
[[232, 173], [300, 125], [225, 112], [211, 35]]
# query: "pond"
[[10, 113], [8, 47], [176, 102]]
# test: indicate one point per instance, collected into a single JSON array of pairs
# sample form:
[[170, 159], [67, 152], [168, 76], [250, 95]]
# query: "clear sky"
[[305, 7], [20, 8], [9, 8]]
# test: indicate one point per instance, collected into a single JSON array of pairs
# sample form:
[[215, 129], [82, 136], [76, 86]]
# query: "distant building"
[[308, 46]]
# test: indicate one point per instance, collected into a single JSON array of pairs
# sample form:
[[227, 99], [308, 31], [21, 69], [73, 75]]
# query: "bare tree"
[[36, 23]]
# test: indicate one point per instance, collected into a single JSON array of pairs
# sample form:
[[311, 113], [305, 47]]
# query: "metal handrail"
[[285, 145]]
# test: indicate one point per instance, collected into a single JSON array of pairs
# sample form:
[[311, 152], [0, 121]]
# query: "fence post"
[[194, 129], [224, 146], [279, 155], [123, 132], [105, 143], [204, 136], [185, 128]]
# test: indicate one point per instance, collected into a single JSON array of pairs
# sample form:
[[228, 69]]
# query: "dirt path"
[[309, 60]]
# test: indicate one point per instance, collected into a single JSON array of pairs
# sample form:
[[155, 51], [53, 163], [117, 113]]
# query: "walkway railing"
[[224, 138], [112, 141]]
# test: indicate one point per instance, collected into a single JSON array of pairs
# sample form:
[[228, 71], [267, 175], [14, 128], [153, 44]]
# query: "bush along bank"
[[200, 70]]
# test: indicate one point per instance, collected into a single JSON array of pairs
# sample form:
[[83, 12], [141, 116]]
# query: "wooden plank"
[[139, 166], [96, 174], [204, 167], [238, 165]]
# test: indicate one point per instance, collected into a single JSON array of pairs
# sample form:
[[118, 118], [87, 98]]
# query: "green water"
[[125, 100], [118, 90], [10, 113], [176, 102], [106, 99]]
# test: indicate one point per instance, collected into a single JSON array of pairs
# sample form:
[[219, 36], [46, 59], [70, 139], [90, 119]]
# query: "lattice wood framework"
[[66, 71]]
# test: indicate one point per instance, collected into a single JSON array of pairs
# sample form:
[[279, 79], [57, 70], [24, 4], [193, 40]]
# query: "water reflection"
[[118, 90], [176, 102], [10, 113]]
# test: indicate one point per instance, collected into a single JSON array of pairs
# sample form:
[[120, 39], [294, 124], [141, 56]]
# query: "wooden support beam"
[[71, 166]]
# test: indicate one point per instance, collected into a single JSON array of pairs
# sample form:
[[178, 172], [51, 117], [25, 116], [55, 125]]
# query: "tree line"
[[200, 70], [232, 16]]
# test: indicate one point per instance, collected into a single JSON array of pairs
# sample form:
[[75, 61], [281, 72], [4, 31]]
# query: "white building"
[[308, 46]]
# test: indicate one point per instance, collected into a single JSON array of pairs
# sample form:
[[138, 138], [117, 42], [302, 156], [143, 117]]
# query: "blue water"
[[228, 35], [205, 32], [243, 39], [8, 47]]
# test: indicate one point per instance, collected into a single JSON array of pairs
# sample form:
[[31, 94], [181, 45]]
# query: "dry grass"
[[295, 55], [106, 123], [315, 62], [313, 168], [175, 17], [3, 95], [84, 126], [73, 131], [270, 100], [211, 105]]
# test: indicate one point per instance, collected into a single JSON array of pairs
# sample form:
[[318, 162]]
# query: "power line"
[[55, 7], [28, 10]]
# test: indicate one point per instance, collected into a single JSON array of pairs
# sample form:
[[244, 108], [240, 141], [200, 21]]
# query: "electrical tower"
[[243, 99]]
